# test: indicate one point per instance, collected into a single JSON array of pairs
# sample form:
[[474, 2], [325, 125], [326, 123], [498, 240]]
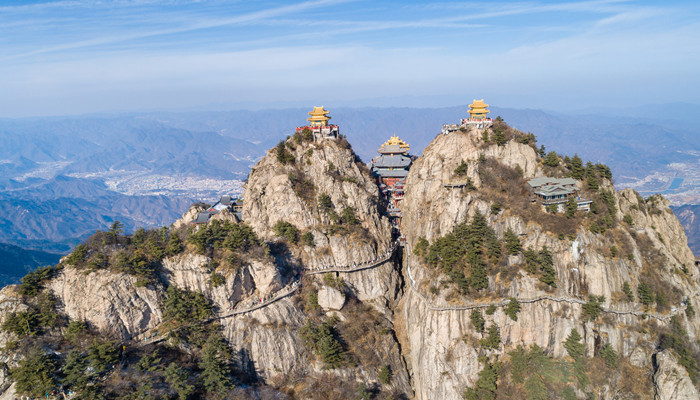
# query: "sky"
[[79, 57]]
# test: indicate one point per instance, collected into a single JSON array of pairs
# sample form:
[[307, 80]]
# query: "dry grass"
[[506, 186]]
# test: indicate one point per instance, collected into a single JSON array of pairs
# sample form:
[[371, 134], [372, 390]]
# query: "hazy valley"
[[65, 177]]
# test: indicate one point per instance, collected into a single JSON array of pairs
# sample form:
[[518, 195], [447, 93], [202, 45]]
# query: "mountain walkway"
[[359, 267], [151, 336], [557, 299]]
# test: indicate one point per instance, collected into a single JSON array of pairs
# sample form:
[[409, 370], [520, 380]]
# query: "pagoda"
[[318, 124], [390, 168], [478, 117], [478, 110]]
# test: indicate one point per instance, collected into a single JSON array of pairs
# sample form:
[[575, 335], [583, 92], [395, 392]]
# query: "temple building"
[[556, 192], [478, 117], [234, 205], [318, 124], [478, 110], [390, 168]]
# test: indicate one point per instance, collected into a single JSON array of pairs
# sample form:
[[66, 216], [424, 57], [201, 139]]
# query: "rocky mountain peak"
[[324, 190]]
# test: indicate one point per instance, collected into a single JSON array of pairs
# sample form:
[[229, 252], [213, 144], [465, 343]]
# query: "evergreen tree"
[[116, 229], [36, 374], [176, 377], [477, 320], [102, 355], [593, 183], [75, 370], [214, 365], [546, 263], [573, 345], [485, 387], [493, 245], [609, 355], [576, 167], [551, 160], [477, 278], [499, 137], [493, 338], [627, 290], [512, 309], [645, 294], [512, 242], [462, 169], [385, 375], [174, 245]]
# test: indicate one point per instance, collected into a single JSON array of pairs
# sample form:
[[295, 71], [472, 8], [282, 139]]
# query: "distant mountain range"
[[15, 262], [62, 178]]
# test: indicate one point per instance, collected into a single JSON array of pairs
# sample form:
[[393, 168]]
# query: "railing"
[[152, 336], [358, 267]]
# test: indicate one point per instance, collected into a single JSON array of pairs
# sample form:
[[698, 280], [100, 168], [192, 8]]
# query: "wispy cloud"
[[193, 26], [93, 55]]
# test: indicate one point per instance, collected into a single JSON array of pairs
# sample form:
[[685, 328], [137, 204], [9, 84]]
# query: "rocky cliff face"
[[403, 315], [442, 362], [290, 192]]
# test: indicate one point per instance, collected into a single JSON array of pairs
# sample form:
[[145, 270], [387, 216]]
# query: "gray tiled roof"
[[545, 180], [393, 148], [398, 161], [225, 200], [202, 218], [553, 190], [391, 173]]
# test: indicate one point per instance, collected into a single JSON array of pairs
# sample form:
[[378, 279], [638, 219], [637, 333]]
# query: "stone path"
[[360, 267], [562, 299], [150, 337]]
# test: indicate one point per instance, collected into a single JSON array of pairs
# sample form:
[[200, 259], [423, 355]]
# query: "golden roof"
[[478, 107], [318, 114], [478, 104], [395, 141]]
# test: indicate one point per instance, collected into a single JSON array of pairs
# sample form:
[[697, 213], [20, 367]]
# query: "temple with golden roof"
[[318, 124], [478, 110], [390, 168], [478, 118]]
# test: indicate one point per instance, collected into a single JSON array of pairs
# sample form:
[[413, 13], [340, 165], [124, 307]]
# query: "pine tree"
[[176, 377], [645, 294], [499, 137], [627, 290], [493, 245], [608, 353], [102, 355], [385, 375], [512, 309], [36, 374], [485, 387], [493, 338], [574, 346], [551, 160], [577, 170], [512, 242], [477, 320], [546, 263], [214, 365], [174, 245]]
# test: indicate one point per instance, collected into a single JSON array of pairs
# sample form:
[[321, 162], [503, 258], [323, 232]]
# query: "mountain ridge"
[[435, 317]]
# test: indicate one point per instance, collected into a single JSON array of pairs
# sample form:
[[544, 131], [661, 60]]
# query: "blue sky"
[[75, 57]]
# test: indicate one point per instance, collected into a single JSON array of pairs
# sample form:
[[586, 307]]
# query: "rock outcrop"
[[672, 380], [290, 192], [110, 302], [439, 335]]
